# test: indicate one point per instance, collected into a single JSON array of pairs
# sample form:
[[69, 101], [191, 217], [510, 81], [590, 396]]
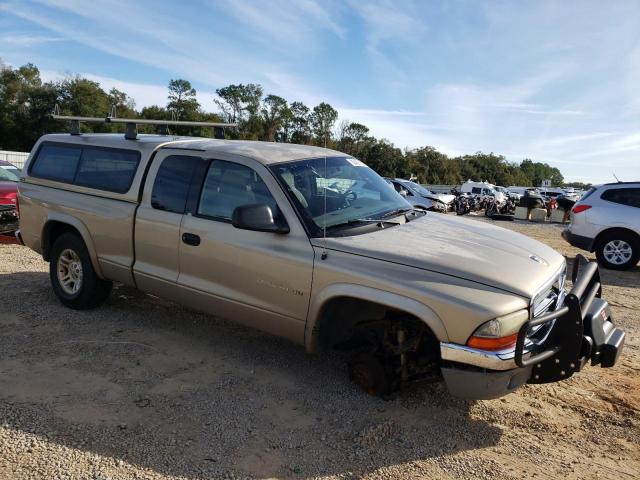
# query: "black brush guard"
[[583, 331]]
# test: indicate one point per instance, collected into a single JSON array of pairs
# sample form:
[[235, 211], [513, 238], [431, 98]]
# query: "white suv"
[[606, 220]]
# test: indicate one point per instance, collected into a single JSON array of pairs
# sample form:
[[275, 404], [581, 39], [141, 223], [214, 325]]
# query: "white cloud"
[[293, 25], [22, 40]]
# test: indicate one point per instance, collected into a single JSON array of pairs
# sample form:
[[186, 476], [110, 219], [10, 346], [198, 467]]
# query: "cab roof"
[[266, 153]]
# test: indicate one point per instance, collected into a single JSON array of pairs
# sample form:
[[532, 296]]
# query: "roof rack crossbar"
[[132, 123], [146, 121]]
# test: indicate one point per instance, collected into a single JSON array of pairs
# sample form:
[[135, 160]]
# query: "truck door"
[[158, 219], [261, 279]]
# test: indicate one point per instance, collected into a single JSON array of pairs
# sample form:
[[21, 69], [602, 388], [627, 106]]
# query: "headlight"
[[501, 333]]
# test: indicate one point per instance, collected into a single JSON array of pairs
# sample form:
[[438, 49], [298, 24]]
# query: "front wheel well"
[[388, 347], [342, 318], [610, 231], [51, 232]]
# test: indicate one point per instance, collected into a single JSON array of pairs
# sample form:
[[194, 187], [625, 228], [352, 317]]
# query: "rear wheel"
[[72, 275], [618, 251]]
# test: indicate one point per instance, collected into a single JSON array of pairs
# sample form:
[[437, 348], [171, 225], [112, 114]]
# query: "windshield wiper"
[[398, 211], [360, 221]]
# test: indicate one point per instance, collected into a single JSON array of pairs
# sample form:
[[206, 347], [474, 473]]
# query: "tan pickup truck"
[[312, 245]]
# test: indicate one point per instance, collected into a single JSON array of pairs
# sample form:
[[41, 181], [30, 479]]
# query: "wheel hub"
[[617, 252], [69, 268]]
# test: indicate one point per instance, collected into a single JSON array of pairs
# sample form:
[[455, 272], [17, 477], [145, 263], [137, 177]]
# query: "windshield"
[[10, 173], [419, 189], [350, 190]]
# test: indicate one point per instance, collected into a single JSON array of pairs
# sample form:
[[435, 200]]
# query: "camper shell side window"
[[102, 168]]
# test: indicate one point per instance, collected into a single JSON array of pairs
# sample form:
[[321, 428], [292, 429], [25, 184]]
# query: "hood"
[[464, 248], [445, 198]]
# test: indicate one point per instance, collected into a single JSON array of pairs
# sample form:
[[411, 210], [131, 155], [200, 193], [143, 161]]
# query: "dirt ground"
[[143, 388]]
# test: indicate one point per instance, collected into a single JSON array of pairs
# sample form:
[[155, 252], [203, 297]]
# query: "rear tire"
[[72, 275], [618, 251]]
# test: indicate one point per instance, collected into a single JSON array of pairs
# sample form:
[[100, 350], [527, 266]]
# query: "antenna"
[[617, 179], [132, 123], [324, 217]]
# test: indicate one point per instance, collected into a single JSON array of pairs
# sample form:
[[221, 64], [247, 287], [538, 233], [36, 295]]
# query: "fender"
[[409, 305], [82, 230]]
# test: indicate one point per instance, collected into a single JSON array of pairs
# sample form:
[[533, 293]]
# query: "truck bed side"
[[105, 224]]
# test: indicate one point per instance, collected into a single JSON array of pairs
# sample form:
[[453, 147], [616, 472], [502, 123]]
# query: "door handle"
[[191, 239]]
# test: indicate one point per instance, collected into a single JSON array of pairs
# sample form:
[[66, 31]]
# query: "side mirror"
[[258, 218]]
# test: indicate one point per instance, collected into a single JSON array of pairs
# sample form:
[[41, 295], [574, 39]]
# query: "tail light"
[[580, 208]]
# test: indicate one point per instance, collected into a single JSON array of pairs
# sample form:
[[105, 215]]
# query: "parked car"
[[521, 191], [606, 220], [9, 177], [572, 194], [512, 195], [420, 197], [478, 188], [312, 245]]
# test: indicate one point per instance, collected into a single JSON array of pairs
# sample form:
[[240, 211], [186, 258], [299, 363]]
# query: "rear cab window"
[[102, 168], [172, 183]]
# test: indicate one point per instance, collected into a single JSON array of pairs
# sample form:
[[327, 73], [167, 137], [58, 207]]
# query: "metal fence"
[[16, 158], [440, 188]]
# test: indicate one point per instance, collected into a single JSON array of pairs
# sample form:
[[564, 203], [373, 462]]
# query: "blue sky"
[[557, 81]]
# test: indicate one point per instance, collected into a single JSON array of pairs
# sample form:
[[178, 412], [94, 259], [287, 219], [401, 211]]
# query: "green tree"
[[182, 100], [383, 157], [25, 106], [300, 123], [433, 167], [275, 112], [323, 118], [239, 101]]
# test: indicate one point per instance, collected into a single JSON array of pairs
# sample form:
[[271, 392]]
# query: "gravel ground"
[[143, 388]]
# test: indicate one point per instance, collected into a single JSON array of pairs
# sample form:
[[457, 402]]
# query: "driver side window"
[[230, 185], [399, 188]]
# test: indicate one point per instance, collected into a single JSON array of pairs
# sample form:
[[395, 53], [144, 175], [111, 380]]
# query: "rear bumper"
[[584, 243], [582, 331]]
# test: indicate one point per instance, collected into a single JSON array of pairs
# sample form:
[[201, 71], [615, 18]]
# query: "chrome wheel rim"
[[69, 271], [617, 252]]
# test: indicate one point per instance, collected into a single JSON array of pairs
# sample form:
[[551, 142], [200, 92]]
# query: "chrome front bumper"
[[579, 332], [499, 360]]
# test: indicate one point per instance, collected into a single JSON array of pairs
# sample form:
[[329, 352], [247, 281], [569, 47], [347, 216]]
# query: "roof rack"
[[132, 123]]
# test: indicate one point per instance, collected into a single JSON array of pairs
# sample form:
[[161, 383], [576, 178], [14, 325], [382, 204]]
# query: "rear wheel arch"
[[611, 231], [54, 228], [340, 307]]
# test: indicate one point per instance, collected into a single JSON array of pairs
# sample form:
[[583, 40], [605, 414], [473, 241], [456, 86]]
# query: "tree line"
[[26, 103]]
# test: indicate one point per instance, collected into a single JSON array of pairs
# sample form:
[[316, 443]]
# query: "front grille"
[[548, 300]]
